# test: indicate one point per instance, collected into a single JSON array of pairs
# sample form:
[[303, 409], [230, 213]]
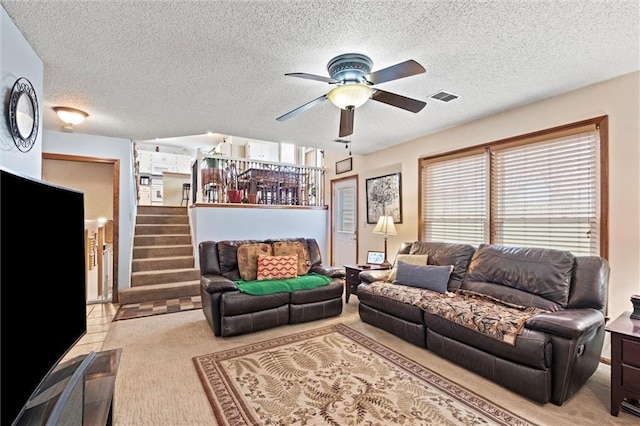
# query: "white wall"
[[618, 98], [238, 223], [79, 144], [18, 60]]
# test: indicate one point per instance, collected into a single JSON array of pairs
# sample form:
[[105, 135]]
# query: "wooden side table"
[[352, 279], [625, 360]]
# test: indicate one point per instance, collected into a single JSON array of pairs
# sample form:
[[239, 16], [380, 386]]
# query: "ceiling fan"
[[351, 73]]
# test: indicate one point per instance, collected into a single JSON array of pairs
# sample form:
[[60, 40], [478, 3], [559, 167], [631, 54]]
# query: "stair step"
[[161, 240], [162, 251], [162, 229], [153, 292], [144, 278], [162, 263], [164, 210], [157, 219]]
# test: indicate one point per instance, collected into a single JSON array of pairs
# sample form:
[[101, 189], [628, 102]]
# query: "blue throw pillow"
[[431, 277]]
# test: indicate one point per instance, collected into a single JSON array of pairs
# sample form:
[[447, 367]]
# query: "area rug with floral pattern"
[[335, 375]]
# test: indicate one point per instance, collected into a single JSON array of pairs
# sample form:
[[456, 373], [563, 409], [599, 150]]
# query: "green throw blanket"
[[302, 282]]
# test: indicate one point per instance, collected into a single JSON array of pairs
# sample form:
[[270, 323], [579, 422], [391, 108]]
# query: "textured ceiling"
[[165, 69]]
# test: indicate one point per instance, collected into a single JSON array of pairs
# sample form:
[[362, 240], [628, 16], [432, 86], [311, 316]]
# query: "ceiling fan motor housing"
[[350, 68]]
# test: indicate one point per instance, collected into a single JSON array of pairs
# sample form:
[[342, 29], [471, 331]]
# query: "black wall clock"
[[23, 115]]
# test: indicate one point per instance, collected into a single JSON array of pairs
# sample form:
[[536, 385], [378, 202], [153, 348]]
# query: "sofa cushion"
[[532, 348], [441, 254], [277, 267], [392, 299], [248, 259], [287, 248], [430, 277], [543, 272], [414, 259]]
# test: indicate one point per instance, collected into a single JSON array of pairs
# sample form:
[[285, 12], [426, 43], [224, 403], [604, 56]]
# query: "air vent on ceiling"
[[444, 96]]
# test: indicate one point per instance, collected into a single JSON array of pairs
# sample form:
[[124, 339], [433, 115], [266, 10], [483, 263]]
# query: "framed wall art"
[[345, 165], [384, 197]]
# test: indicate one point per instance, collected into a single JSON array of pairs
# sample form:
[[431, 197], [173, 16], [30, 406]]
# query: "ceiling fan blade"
[[302, 108], [399, 101], [312, 77], [346, 122], [395, 72]]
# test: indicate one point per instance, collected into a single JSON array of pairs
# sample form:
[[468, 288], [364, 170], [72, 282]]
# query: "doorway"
[[344, 221], [98, 179]]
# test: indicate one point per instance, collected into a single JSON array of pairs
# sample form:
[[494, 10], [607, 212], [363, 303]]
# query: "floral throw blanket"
[[485, 314]]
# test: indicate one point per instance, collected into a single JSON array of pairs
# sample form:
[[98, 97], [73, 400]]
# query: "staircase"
[[163, 263]]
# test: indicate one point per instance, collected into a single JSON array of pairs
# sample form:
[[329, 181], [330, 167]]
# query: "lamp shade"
[[70, 115], [350, 95], [385, 226]]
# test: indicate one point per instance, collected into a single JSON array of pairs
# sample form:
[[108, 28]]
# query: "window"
[[454, 199], [537, 190]]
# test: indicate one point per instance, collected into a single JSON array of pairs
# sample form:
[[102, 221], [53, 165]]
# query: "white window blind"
[[454, 199], [546, 194], [346, 207]]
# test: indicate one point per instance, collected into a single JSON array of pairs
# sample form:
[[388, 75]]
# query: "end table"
[[352, 280], [625, 360]]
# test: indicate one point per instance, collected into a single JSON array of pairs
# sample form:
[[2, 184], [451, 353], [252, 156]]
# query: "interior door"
[[344, 218]]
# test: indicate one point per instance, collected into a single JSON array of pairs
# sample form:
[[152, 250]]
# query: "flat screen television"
[[42, 284]]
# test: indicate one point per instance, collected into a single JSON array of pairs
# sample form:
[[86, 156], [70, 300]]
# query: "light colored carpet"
[[157, 383]]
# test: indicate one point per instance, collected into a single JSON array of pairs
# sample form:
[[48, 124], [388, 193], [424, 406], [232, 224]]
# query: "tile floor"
[[99, 317]]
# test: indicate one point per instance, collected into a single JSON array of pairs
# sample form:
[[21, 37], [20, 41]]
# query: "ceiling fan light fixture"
[[70, 116], [350, 95]]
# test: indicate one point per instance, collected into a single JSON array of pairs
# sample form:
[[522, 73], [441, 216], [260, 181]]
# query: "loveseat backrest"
[[444, 254], [315, 257], [221, 258], [208, 254]]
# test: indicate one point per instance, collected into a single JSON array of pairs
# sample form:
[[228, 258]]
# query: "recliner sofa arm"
[[217, 283], [328, 271], [569, 323], [367, 277]]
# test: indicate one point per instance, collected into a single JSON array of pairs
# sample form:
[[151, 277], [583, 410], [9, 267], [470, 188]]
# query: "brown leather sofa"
[[556, 352], [230, 312]]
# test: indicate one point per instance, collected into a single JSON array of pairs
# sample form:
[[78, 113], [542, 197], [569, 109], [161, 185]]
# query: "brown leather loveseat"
[[558, 298], [231, 312]]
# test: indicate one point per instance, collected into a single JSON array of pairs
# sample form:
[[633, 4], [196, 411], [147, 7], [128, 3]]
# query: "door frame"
[[333, 223], [116, 205]]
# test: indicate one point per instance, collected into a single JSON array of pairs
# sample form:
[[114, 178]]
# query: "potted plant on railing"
[[213, 162], [234, 194]]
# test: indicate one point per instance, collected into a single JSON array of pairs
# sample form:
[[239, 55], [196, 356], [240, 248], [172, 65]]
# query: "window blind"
[[346, 207], [454, 199], [546, 194]]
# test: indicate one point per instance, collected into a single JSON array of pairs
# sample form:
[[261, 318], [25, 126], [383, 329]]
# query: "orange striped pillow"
[[277, 267]]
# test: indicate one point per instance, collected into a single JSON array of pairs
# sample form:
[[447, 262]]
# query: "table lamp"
[[385, 227]]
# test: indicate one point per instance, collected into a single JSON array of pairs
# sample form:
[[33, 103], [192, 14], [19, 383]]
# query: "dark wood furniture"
[[625, 360], [352, 280]]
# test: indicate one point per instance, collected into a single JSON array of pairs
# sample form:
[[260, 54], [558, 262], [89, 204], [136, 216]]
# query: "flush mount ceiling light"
[[70, 116], [350, 95]]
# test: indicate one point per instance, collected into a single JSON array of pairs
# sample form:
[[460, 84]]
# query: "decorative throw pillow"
[[414, 259], [288, 248], [248, 259], [431, 277], [277, 267]]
